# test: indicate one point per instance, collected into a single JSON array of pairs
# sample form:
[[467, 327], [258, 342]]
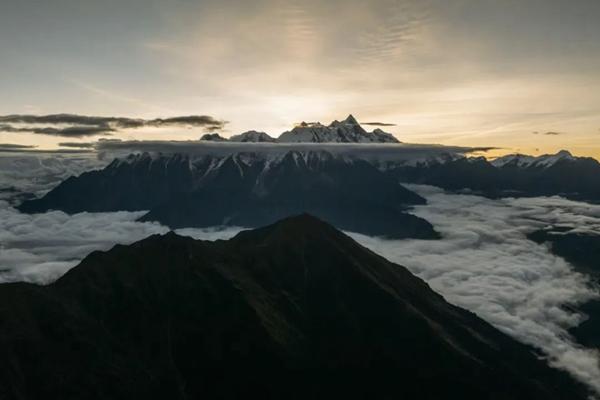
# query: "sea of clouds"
[[483, 263]]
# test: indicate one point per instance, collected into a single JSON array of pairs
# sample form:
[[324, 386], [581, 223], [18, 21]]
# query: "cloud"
[[77, 126], [377, 124], [43, 151], [12, 147], [42, 247], [484, 263], [70, 131], [552, 133], [40, 171], [209, 123], [373, 152], [549, 133], [23, 149], [78, 145]]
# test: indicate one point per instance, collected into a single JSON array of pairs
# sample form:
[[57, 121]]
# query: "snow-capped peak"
[[525, 161], [346, 131]]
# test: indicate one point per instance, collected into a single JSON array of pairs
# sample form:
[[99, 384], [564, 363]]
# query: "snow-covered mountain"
[[252, 136], [525, 161], [346, 131], [559, 174], [245, 189]]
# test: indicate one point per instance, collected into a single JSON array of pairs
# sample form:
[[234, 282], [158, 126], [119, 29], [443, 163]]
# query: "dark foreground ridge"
[[293, 310]]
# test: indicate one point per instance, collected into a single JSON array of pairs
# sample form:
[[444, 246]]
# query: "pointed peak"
[[351, 120]]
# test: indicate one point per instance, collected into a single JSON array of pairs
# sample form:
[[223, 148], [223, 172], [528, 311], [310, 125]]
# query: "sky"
[[521, 75]]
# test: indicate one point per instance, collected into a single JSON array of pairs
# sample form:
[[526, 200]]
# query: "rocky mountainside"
[[244, 189], [294, 310]]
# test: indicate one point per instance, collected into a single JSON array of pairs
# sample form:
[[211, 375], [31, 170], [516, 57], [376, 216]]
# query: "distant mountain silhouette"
[[213, 137], [245, 189], [294, 310], [252, 136]]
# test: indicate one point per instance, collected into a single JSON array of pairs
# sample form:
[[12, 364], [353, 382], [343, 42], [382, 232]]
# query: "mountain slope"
[[293, 310], [245, 189]]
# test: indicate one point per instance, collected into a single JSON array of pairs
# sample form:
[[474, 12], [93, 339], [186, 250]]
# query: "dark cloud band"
[[78, 145], [10, 146], [549, 133], [377, 124], [79, 126]]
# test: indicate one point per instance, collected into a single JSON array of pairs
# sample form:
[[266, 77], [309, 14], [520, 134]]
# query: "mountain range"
[[577, 178], [346, 131], [244, 189], [293, 310]]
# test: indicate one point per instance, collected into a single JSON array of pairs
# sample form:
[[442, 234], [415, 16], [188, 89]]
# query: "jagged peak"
[[351, 120], [346, 131]]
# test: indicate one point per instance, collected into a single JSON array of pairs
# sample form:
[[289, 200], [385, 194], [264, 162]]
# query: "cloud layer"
[[377, 124], [38, 173], [8, 147], [375, 151], [485, 264], [40, 248], [80, 126]]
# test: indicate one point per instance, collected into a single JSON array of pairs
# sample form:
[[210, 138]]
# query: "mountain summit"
[[351, 120], [252, 136], [293, 310], [346, 131]]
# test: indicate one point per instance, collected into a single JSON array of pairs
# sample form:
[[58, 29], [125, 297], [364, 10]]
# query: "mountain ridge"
[[293, 309], [244, 189], [576, 178], [345, 131]]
